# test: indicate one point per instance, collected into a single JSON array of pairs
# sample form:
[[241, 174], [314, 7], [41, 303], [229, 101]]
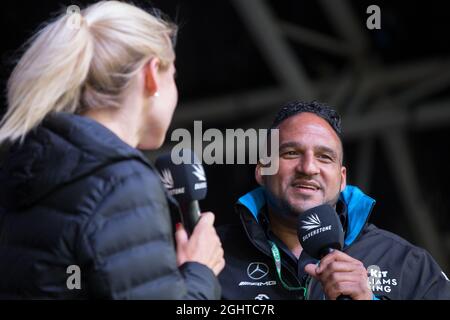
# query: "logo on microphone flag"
[[166, 179], [312, 222], [199, 172]]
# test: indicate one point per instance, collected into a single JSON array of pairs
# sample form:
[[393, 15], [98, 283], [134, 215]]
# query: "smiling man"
[[374, 264]]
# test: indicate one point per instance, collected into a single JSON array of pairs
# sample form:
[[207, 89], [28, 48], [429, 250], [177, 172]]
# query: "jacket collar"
[[359, 207]]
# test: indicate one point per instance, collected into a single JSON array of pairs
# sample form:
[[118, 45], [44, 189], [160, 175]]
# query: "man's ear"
[[258, 176], [151, 76], [343, 178]]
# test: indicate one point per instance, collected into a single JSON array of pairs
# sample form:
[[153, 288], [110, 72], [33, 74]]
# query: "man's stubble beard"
[[283, 208]]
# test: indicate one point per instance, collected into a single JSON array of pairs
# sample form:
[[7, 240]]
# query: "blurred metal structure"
[[366, 89]]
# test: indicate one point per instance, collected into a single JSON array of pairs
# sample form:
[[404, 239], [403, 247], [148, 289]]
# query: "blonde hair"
[[76, 65]]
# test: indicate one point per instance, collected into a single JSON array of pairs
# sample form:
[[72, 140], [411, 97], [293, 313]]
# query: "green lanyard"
[[277, 259]]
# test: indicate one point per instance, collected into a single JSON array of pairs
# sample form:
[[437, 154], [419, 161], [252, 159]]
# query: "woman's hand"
[[203, 246]]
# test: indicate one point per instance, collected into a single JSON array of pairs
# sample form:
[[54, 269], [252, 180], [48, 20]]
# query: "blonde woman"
[[78, 198]]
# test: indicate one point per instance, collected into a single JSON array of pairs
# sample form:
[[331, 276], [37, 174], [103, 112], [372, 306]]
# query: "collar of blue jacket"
[[359, 207]]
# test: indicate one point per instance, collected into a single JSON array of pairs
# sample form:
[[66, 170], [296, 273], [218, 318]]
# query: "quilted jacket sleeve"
[[128, 246]]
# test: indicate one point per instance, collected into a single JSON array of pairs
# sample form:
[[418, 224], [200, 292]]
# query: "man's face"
[[310, 166]]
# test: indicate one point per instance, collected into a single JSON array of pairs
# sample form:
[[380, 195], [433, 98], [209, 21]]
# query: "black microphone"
[[186, 182], [320, 231]]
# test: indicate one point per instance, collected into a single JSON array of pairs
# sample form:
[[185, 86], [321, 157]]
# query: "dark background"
[[390, 85]]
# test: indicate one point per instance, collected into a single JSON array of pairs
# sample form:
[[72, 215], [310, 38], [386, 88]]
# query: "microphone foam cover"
[[319, 229], [186, 182]]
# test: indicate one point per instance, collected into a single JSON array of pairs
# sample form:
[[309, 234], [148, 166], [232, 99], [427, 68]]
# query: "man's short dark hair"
[[295, 107]]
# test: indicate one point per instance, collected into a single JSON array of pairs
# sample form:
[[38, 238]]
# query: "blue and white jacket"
[[396, 268]]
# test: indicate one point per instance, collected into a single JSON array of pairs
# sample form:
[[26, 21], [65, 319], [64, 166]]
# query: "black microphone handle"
[[323, 253], [191, 215]]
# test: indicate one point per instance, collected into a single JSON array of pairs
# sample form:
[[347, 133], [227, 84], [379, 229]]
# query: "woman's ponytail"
[[89, 64]]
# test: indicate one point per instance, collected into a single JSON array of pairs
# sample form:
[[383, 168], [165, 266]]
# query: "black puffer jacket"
[[75, 194]]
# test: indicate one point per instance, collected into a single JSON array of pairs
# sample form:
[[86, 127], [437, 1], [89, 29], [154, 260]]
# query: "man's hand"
[[340, 274]]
